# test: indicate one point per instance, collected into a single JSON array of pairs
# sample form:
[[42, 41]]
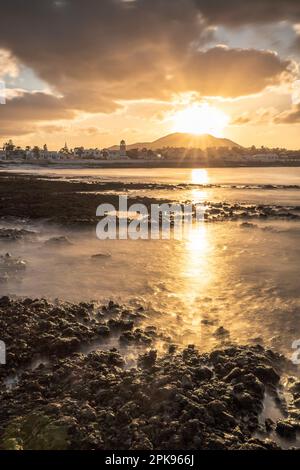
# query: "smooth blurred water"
[[261, 175], [245, 279]]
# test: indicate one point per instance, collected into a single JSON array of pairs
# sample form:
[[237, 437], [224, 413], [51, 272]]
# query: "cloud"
[[34, 106], [235, 72], [101, 50], [8, 64], [237, 12], [296, 45], [291, 116], [259, 116], [8, 131], [21, 113], [97, 54], [268, 116], [106, 51]]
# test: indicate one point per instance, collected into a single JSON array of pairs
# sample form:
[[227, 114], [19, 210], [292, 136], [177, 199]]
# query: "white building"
[[266, 157], [44, 155], [80, 152], [50, 155], [113, 154]]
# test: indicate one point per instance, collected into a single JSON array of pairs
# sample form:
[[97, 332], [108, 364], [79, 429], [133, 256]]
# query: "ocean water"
[[223, 274]]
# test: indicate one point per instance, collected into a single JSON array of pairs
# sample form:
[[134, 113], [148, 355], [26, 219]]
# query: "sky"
[[92, 73]]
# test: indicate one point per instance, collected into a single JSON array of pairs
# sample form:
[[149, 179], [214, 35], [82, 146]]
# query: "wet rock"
[[221, 332], [297, 403], [99, 256], [112, 305], [103, 330], [58, 241], [118, 324], [234, 374], [267, 374], [203, 373], [127, 337], [269, 425], [295, 388], [286, 429], [245, 400], [4, 301], [172, 348], [178, 400], [208, 322], [216, 407], [66, 345], [148, 359], [248, 225], [166, 393], [13, 235], [21, 433]]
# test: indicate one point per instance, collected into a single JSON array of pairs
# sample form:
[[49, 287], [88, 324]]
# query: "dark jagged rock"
[[178, 400]]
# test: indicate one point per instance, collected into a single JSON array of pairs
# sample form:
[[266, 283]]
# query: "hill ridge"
[[183, 139]]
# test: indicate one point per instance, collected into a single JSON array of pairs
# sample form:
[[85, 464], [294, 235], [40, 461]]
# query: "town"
[[11, 152], [235, 155]]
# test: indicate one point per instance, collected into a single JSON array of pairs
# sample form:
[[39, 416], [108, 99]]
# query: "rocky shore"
[[91, 376], [73, 202], [65, 387]]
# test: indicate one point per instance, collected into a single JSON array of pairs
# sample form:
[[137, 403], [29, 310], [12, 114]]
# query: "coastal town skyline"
[[174, 149]]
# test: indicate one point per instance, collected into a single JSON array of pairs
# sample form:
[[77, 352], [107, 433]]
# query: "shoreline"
[[145, 164], [74, 203]]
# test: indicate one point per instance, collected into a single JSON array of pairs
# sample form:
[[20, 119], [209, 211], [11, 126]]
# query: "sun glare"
[[199, 176], [201, 119]]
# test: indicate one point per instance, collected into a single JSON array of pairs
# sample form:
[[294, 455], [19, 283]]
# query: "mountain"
[[180, 139]]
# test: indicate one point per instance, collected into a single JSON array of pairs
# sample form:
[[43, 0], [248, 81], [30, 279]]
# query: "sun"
[[200, 119]]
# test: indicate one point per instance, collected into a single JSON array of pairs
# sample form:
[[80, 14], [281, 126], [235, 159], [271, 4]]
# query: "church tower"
[[122, 149]]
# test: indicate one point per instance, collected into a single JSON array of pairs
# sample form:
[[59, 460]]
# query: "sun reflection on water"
[[198, 195], [196, 277], [196, 263], [199, 176]]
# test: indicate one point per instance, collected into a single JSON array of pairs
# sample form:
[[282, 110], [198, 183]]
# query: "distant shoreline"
[[145, 164]]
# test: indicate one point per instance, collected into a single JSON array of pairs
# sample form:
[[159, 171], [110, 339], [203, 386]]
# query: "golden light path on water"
[[195, 271], [199, 176]]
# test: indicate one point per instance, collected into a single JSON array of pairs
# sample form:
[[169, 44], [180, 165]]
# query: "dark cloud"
[[106, 49], [241, 12], [98, 52], [34, 106], [20, 114], [7, 131], [234, 72], [296, 44]]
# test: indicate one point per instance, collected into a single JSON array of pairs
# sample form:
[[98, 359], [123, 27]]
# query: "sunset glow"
[[201, 119]]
